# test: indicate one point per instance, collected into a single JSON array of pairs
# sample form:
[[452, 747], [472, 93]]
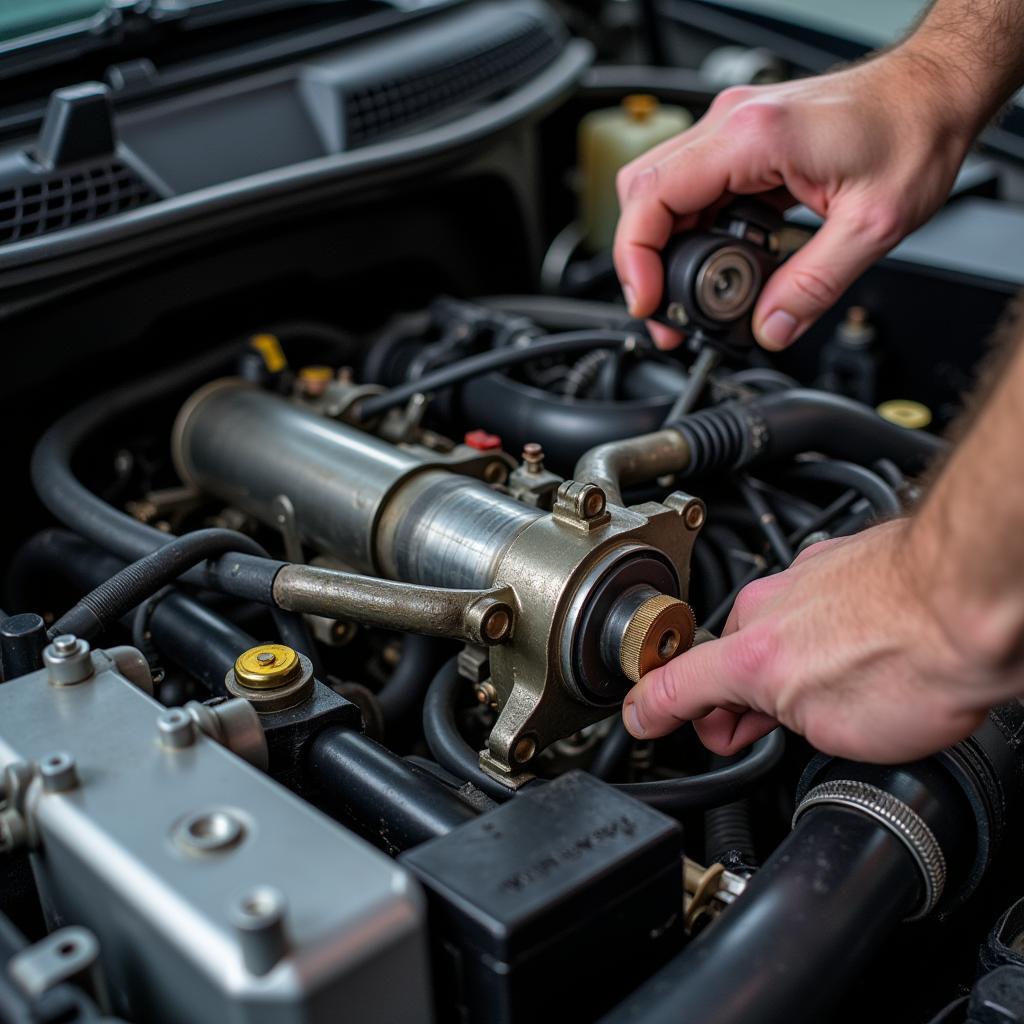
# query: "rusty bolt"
[[533, 457], [486, 694]]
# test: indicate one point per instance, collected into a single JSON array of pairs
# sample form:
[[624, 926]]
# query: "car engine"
[[342, 519]]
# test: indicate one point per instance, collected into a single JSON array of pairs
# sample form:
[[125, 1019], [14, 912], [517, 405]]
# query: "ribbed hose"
[[719, 439], [129, 587], [729, 833]]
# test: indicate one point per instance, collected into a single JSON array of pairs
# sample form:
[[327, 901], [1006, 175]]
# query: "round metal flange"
[[727, 284], [271, 677]]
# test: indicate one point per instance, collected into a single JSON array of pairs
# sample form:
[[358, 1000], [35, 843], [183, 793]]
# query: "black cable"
[[697, 792], [133, 584], [420, 658], [766, 521], [882, 498], [486, 362]]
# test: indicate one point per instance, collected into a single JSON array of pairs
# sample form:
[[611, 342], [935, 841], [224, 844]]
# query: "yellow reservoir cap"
[[267, 666], [906, 413]]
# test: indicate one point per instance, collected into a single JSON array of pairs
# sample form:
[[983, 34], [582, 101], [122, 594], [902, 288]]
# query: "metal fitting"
[[234, 724], [582, 505], [210, 831], [727, 284], [259, 920], [904, 823], [67, 660], [658, 630], [176, 728], [58, 772], [533, 457], [271, 677], [486, 694]]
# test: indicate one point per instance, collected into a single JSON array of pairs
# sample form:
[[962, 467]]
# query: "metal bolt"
[[58, 772], [677, 314], [67, 660], [65, 645], [176, 728], [524, 749], [533, 457], [693, 517], [592, 501], [259, 920], [497, 622], [266, 657], [486, 694]]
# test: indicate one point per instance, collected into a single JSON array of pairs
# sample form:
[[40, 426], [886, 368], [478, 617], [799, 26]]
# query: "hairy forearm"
[[969, 55], [967, 540]]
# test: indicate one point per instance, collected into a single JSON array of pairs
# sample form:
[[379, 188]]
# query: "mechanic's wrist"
[[984, 628]]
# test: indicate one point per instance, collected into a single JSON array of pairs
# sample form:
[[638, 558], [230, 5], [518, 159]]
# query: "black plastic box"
[[557, 903]]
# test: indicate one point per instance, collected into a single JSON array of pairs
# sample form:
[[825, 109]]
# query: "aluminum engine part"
[[574, 579], [215, 894]]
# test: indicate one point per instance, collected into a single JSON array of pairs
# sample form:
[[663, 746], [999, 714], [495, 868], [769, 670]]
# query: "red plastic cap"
[[482, 441]]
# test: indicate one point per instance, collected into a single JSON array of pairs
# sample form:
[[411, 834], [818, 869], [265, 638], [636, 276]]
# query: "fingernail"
[[630, 295], [778, 329], [632, 720]]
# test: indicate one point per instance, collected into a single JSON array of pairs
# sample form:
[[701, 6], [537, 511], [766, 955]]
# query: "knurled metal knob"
[[658, 630]]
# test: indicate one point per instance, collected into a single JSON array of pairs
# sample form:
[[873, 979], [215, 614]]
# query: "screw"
[[266, 657], [533, 457], [524, 749], [58, 773], [176, 728], [67, 660], [486, 694]]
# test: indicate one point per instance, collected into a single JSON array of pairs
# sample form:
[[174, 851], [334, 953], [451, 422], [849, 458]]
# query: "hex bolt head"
[[67, 660], [259, 921], [58, 772], [176, 728]]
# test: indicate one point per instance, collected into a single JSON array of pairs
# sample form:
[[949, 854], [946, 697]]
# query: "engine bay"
[[340, 529]]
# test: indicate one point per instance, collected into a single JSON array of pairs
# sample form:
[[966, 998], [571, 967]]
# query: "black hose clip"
[[713, 277]]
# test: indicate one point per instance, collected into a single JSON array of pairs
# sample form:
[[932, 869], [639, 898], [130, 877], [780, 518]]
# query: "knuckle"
[[732, 97], [755, 655], [758, 117], [815, 286], [883, 223]]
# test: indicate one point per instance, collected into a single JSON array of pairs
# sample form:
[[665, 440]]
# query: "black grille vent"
[[64, 200], [499, 64]]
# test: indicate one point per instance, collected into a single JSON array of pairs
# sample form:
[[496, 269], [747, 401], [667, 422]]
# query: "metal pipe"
[[633, 460], [476, 616], [383, 508]]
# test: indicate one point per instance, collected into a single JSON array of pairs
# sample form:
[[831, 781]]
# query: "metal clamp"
[[904, 823]]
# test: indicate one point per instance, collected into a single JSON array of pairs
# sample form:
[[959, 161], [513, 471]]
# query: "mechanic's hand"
[[874, 149], [842, 647]]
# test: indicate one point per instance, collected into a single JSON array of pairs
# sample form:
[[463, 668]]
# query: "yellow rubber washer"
[[267, 667], [906, 413]]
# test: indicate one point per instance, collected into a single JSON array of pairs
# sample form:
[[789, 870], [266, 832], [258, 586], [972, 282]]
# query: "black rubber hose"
[[709, 574], [421, 656], [487, 362], [729, 836], [90, 516], [880, 495], [362, 783], [848, 881], [130, 586], [613, 750], [201, 642], [698, 792]]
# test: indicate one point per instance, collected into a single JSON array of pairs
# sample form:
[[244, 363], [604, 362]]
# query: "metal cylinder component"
[[448, 531], [234, 724], [58, 772], [176, 728], [259, 919], [658, 629], [727, 283], [67, 660], [249, 446], [476, 616]]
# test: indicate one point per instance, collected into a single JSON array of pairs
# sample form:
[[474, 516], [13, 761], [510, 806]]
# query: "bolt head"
[[65, 645], [58, 772], [176, 728]]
